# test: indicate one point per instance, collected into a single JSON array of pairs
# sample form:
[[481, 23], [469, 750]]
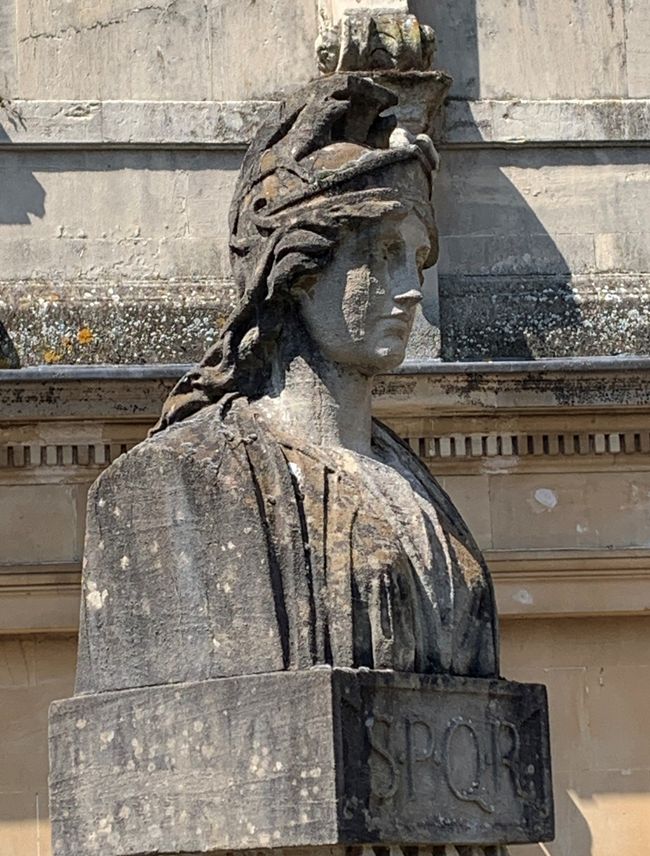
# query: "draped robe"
[[221, 547]]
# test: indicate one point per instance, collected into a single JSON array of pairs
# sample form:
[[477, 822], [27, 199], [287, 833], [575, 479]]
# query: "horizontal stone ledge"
[[528, 584], [65, 124], [232, 124], [537, 316], [569, 122], [420, 388]]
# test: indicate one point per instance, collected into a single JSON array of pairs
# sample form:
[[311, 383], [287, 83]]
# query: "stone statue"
[[271, 552], [269, 523]]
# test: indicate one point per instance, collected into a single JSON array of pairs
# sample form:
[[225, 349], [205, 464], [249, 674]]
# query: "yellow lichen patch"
[[51, 356], [85, 336]]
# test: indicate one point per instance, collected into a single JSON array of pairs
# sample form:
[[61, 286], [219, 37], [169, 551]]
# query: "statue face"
[[360, 309]]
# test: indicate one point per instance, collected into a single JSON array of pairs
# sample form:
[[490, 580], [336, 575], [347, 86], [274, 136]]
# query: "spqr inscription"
[[477, 761]]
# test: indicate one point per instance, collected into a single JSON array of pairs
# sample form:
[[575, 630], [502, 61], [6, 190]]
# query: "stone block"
[[40, 523], [279, 34], [637, 13], [7, 50], [570, 510], [496, 49], [471, 496], [537, 316], [536, 211], [293, 759], [113, 49], [543, 253]]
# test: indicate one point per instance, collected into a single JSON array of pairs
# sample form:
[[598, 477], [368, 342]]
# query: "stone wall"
[[550, 465], [544, 195], [595, 693], [122, 127]]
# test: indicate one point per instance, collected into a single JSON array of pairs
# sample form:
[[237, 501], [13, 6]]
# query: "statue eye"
[[392, 250]]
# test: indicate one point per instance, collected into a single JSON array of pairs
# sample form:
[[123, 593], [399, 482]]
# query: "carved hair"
[[330, 161]]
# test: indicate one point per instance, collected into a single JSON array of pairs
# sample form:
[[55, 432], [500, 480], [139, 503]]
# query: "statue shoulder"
[[386, 439], [200, 441]]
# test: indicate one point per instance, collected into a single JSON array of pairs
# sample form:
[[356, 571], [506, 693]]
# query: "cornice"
[[425, 388], [481, 123], [566, 413], [528, 584]]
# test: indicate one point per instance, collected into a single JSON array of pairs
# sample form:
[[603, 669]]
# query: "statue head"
[[331, 227]]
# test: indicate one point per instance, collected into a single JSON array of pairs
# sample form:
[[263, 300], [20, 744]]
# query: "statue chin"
[[385, 358]]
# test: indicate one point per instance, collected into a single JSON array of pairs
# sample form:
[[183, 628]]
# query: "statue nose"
[[408, 298]]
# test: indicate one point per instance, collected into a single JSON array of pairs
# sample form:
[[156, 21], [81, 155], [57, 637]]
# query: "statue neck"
[[324, 403]]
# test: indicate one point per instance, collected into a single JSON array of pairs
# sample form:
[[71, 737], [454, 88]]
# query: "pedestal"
[[318, 758]]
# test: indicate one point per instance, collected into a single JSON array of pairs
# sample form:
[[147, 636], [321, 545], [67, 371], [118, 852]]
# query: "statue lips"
[[400, 319]]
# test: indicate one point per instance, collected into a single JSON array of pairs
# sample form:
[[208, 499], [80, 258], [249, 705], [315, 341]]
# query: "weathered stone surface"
[[637, 48], [100, 321], [538, 224], [232, 570], [288, 760], [79, 51], [549, 270], [267, 525], [564, 122], [485, 317], [432, 390], [167, 124], [366, 39], [232, 124], [530, 50], [59, 538]]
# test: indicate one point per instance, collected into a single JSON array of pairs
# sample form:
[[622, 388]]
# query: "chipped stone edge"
[[232, 124]]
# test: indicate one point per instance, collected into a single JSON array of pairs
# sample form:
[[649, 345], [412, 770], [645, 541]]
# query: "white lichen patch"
[[125, 562], [546, 498], [95, 599]]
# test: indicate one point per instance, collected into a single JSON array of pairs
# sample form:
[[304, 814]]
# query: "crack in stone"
[[99, 25]]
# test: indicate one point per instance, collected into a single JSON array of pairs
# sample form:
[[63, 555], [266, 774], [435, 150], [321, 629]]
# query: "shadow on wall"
[[504, 286], [455, 23], [21, 195], [572, 838]]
